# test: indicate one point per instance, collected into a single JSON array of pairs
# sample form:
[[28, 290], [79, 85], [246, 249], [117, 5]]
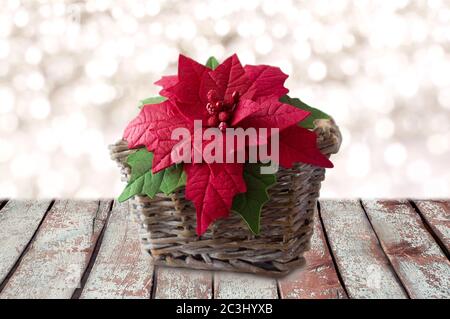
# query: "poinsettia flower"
[[229, 96]]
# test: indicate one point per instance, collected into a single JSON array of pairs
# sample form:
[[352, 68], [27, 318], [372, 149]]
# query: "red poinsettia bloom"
[[229, 96]]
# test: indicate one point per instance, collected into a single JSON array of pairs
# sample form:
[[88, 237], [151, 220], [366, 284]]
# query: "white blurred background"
[[72, 73]]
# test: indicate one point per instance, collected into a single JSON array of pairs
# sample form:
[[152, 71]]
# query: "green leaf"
[[144, 182], [152, 100], [316, 114], [140, 163], [174, 178], [143, 185], [248, 205], [212, 63]]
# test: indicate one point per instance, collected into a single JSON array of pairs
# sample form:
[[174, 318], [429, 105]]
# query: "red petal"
[[266, 81], [162, 153], [152, 128], [192, 88], [299, 145], [189, 69], [229, 77], [190, 74], [213, 195], [271, 113], [167, 82]]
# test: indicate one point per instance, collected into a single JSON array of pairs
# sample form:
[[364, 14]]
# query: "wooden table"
[[90, 249]]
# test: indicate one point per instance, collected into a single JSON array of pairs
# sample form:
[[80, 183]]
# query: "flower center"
[[219, 111]]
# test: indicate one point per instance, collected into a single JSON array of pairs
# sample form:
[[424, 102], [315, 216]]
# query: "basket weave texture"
[[168, 223]]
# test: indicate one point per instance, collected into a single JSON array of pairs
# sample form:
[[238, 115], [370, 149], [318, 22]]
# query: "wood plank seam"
[[362, 264], [419, 262], [430, 229], [384, 252], [122, 269], [3, 203], [78, 291], [318, 278], [212, 286], [25, 250], [333, 258], [278, 289], [57, 259], [154, 282]]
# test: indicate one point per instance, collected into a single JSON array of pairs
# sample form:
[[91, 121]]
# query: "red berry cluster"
[[220, 112]]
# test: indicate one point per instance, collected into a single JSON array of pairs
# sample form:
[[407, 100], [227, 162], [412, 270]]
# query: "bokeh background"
[[72, 73]]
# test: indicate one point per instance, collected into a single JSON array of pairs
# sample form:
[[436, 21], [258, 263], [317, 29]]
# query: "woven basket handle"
[[119, 152], [329, 136]]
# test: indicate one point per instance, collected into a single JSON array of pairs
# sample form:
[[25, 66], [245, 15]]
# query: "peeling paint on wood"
[[243, 286], [56, 260], [318, 278], [19, 221], [437, 215], [122, 269], [62, 248], [179, 283], [362, 264], [417, 258]]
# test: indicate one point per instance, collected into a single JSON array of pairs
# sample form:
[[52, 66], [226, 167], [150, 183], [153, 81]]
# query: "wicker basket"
[[168, 223]]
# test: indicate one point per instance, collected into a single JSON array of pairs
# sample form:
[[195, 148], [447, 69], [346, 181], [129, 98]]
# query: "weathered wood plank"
[[419, 262], [318, 279], [19, 221], [121, 269], [57, 259], [229, 285], [361, 261], [179, 283], [437, 215]]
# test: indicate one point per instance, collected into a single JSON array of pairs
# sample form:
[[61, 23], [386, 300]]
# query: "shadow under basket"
[[168, 223]]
